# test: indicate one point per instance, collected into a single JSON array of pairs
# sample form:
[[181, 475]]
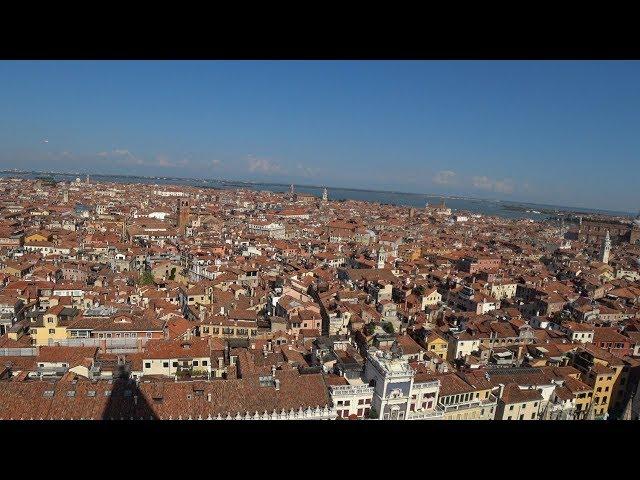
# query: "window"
[[205, 363], [533, 416], [175, 364], [347, 403], [147, 365], [535, 404], [361, 401], [52, 331], [522, 417], [510, 407], [166, 364], [195, 363], [367, 401], [340, 402]]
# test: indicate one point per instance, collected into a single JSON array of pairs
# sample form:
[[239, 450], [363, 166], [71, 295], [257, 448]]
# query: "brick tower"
[[184, 208]]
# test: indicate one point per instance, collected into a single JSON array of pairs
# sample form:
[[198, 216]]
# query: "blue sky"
[[556, 132]]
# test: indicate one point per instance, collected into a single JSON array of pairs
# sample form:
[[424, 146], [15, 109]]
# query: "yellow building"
[[602, 379], [602, 372], [37, 237], [51, 327], [438, 345], [460, 399], [518, 404], [582, 394], [501, 291]]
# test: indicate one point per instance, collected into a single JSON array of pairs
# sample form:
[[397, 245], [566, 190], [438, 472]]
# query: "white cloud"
[[444, 177], [503, 186], [263, 165], [482, 182], [499, 186], [126, 157]]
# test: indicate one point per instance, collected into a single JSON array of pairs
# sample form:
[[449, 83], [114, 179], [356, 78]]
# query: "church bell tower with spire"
[[605, 249], [382, 257]]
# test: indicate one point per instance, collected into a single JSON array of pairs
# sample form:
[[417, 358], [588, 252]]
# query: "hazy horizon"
[[542, 132]]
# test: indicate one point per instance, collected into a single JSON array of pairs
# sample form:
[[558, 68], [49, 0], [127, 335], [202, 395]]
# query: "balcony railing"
[[438, 412], [52, 370], [487, 402], [351, 389]]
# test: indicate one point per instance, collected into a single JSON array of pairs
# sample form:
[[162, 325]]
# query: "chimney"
[[277, 384], [208, 397]]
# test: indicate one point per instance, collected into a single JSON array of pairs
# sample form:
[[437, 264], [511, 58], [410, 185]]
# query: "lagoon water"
[[480, 206]]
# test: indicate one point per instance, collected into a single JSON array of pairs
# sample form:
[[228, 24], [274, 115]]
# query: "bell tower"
[[382, 256], [184, 208], [605, 248]]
